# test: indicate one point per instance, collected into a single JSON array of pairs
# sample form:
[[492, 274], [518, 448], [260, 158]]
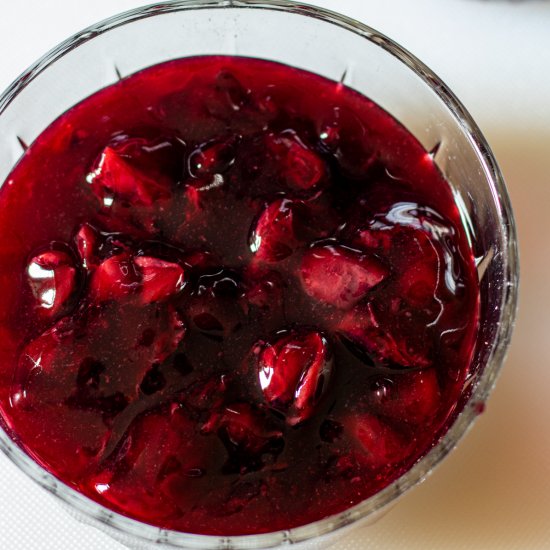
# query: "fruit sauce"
[[236, 297]]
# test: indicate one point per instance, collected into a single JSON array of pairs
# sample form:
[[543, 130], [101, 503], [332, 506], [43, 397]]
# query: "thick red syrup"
[[236, 297]]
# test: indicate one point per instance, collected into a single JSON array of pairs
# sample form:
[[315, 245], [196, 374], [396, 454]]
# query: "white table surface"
[[493, 492]]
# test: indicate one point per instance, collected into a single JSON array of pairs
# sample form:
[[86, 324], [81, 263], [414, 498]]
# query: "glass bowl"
[[343, 50]]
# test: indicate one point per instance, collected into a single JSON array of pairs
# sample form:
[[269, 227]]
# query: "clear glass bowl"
[[343, 50]]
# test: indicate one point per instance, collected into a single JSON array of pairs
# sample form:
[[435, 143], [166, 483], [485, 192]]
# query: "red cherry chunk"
[[377, 445], [214, 157], [87, 244], [302, 169], [338, 275], [245, 428], [115, 278], [52, 276], [169, 333], [130, 170], [294, 373], [228, 96], [416, 256], [413, 397], [273, 238], [361, 326], [159, 279], [152, 469], [38, 359], [350, 141], [47, 365]]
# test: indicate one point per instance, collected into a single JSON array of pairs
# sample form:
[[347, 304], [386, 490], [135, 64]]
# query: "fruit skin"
[[338, 275], [53, 278], [294, 373]]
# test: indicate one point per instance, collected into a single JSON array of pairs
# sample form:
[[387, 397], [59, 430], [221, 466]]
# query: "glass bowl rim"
[[91, 511]]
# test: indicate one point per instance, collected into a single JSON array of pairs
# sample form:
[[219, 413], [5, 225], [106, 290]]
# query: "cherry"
[[387, 346], [294, 372], [152, 465], [301, 168], [208, 397], [273, 237], [53, 278], [87, 242], [244, 428], [228, 96], [37, 361], [169, 331], [214, 157], [412, 397], [159, 279], [350, 141], [376, 444], [338, 275], [417, 259], [115, 176], [115, 278]]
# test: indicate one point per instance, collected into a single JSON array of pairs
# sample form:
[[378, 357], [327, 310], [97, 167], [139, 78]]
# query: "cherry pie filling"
[[237, 297]]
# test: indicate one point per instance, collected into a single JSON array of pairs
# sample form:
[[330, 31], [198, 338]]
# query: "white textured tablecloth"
[[493, 492]]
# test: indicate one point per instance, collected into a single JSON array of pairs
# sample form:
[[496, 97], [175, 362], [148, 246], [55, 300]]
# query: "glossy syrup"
[[237, 297]]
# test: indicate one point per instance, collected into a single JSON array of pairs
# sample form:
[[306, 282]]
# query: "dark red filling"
[[236, 297]]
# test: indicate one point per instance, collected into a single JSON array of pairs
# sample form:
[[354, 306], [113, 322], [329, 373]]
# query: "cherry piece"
[[87, 243], [228, 96], [272, 237], [214, 157], [349, 139], [169, 333], [301, 168], [152, 465], [115, 278], [294, 372], [52, 276], [377, 445], [38, 360], [361, 326], [338, 275], [114, 177], [417, 259], [413, 397], [244, 428], [159, 279]]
